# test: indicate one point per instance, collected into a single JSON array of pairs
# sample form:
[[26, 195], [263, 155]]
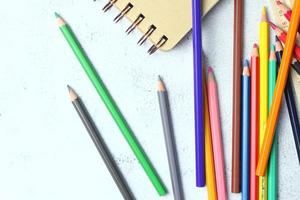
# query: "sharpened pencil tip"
[[56, 15], [264, 17], [210, 70], [264, 10], [276, 39], [278, 3], [255, 45], [246, 71], [72, 93], [160, 84]]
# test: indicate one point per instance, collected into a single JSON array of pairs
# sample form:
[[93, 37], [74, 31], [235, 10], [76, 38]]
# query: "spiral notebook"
[[163, 22], [282, 22]]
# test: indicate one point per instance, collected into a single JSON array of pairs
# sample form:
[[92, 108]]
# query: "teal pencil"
[[272, 171], [110, 105]]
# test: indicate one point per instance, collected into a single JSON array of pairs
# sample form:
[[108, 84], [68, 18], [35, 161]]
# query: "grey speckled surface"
[[44, 149]]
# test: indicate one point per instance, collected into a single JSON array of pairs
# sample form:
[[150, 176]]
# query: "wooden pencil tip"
[[255, 45], [278, 3], [246, 71], [72, 94], [160, 84], [210, 70], [272, 53]]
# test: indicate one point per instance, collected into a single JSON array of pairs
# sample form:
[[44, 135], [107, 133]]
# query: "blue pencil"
[[198, 94], [245, 130]]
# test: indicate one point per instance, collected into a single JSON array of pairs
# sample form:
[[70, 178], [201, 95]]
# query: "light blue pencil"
[[245, 130]]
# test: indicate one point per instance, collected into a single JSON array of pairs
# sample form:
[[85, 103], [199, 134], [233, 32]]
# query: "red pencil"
[[287, 12], [254, 122], [281, 34]]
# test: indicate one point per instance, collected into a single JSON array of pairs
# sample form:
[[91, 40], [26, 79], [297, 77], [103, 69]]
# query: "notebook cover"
[[283, 23], [171, 18]]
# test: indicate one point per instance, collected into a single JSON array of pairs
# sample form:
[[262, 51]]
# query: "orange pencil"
[[279, 89]]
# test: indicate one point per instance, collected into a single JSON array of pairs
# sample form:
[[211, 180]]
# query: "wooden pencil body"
[[236, 113]]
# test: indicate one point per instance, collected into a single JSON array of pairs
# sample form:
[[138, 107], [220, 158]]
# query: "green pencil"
[[110, 105], [272, 171]]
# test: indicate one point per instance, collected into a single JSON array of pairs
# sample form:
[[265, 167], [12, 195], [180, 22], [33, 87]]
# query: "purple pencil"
[[198, 95]]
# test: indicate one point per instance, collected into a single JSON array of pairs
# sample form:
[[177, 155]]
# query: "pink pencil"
[[216, 135]]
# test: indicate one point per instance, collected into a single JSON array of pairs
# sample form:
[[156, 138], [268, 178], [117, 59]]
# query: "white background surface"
[[45, 151]]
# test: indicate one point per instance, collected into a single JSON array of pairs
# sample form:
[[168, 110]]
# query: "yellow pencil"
[[209, 158], [263, 93]]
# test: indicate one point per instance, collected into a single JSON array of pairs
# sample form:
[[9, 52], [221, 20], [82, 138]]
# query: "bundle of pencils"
[[260, 102]]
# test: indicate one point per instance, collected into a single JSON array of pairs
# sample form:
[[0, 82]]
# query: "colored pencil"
[[279, 89], [245, 130], [100, 145], [290, 101], [254, 126], [209, 156], [281, 34], [287, 12], [169, 139], [216, 132], [263, 92], [198, 93], [110, 105], [236, 105], [272, 170]]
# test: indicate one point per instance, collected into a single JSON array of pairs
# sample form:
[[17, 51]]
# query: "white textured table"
[[45, 150]]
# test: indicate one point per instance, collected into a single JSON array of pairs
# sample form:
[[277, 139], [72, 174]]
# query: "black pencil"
[[100, 145], [290, 101]]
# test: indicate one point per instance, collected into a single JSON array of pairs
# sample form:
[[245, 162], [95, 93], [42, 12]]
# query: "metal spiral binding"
[[136, 22], [123, 12], [156, 46], [108, 5], [146, 35]]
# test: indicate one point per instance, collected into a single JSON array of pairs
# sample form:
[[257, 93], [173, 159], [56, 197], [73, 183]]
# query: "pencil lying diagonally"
[[279, 89], [100, 145], [169, 139], [110, 105], [290, 101], [281, 34]]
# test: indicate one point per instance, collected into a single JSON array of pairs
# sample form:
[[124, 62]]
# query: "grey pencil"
[[100, 145], [169, 140]]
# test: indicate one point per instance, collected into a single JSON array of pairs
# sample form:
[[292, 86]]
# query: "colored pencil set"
[[263, 82], [258, 87]]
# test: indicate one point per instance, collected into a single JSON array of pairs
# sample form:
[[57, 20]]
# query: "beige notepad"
[[281, 21], [172, 19]]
